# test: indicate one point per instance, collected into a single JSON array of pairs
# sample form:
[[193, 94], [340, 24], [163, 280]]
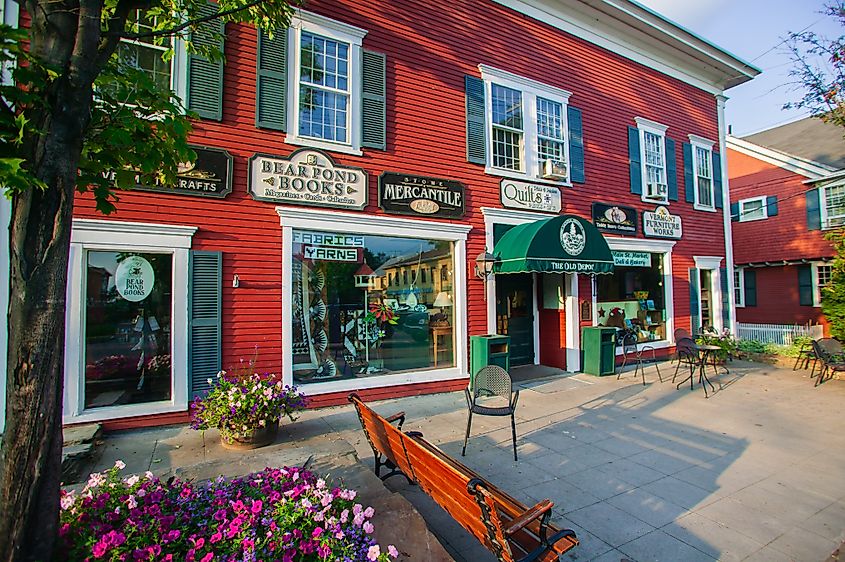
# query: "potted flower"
[[246, 409]]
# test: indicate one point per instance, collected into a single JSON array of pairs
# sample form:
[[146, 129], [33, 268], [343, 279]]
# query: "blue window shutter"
[[772, 205], [576, 145], [734, 212], [271, 80], [476, 129], [671, 169], [695, 319], [634, 161], [814, 213], [717, 179], [374, 100], [805, 285], [204, 319], [204, 77], [689, 180], [726, 301], [750, 282]]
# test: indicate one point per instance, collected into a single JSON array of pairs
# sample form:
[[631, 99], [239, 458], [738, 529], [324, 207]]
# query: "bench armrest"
[[398, 416], [520, 522]]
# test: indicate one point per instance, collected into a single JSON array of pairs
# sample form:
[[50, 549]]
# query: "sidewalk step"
[[77, 434], [79, 446]]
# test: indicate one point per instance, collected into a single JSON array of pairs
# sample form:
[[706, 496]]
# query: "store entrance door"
[[515, 315]]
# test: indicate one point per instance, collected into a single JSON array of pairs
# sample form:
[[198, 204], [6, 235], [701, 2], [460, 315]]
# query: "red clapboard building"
[[354, 170], [787, 190]]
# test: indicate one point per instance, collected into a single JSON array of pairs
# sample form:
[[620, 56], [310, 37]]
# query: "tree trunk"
[[30, 457]]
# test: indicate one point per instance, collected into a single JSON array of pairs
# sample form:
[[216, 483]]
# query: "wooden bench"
[[505, 526]]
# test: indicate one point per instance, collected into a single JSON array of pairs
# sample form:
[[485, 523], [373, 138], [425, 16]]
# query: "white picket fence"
[[783, 334]]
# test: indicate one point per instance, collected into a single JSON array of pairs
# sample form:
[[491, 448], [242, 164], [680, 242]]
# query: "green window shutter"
[[204, 319], [805, 285], [634, 163], [814, 213], [689, 179], [271, 80], [717, 180], [205, 78], [476, 128], [576, 145], [695, 318], [726, 301], [671, 169], [750, 287], [374, 100], [772, 205], [734, 212]]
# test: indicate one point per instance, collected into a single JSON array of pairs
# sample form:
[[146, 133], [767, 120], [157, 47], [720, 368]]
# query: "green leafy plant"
[[833, 294], [728, 346], [751, 346]]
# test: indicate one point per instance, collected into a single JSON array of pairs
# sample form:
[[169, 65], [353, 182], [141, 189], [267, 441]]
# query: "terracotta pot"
[[257, 437]]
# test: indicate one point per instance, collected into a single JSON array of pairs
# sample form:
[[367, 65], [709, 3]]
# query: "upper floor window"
[[702, 150], [833, 206], [145, 54], [752, 209], [653, 157], [527, 127]]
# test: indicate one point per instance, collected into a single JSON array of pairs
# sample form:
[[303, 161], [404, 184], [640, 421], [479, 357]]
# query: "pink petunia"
[[373, 552], [391, 550]]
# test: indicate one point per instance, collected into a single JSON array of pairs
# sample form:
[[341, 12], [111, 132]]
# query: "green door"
[[515, 315]]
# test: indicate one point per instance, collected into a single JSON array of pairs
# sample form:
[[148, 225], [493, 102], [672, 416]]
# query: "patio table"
[[704, 352]]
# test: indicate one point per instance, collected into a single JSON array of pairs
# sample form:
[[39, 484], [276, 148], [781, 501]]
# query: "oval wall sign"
[[134, 278]]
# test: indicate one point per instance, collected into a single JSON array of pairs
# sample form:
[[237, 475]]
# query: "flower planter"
[[252, 439]]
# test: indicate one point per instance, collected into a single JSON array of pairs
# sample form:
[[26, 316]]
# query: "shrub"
[[277, 514], [751, 346], [725, 341]]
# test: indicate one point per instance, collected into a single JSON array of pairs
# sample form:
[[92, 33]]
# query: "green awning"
[[561, 244]]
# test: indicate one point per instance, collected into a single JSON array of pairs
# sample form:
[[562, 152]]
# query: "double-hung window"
[[739, 286], [752, 209], [702, 151], [833, 206], [653, 157], [822, 279], [527, 126]]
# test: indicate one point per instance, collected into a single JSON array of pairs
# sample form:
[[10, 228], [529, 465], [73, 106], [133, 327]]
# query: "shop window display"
[[633, 298], [362, 308]]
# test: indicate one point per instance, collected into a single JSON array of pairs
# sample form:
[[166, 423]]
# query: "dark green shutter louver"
[[671, 170], [476, 133], [750, 282], [689, 179], [814, 214], [204, 77], [204, 319], [734, 212], [634, 163], [772, 206], [374, 100], [576, 145], [271, 80], [695, 317], [726, 298], [805, 285], [717, 180]]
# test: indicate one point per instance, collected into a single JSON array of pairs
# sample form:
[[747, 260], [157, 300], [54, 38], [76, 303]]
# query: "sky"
[[754, 31]]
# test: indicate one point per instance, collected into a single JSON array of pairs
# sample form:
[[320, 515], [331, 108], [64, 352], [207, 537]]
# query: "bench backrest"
[[383, 436]]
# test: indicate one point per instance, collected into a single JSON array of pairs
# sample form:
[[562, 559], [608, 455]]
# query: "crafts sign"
[[404, 194], [134, 278], [530, 196], [307, 177], [661, 224], [615, 218]]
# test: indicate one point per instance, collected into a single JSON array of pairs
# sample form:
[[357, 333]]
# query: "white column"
[[726, 214]]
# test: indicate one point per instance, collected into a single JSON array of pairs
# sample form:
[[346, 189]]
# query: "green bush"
[[751, 346]]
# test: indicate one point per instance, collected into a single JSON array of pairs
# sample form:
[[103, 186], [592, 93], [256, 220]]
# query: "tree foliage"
[[833, 294]]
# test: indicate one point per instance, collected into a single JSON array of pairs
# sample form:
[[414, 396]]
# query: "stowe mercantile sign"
[[406, 194]]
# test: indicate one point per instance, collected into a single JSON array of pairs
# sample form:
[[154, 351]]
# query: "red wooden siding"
[[777, 300]]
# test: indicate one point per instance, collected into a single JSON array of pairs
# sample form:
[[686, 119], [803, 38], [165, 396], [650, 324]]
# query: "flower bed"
[[278, 514]]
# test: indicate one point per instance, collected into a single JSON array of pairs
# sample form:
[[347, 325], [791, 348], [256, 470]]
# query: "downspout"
[[726, 213]]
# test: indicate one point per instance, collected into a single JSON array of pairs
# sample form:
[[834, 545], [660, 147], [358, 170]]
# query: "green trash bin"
[[489, 349], [598, 345]]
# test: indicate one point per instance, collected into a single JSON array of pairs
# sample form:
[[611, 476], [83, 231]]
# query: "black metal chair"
[[831, 355], [687, 353], [491, 387], [630, 348], [806, 355]]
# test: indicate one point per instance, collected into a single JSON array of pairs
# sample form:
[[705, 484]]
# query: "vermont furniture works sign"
[[530, 196], [307, 177], [615, 218], [404, 194], [661, 224]]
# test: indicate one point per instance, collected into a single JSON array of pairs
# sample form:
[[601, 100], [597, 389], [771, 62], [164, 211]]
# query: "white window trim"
[[823, 206], [531, 90], [817, 290], [714, 264], [89, 234], [740, 302], [742, 216], [337, 31], [646, 125], [704, 144], [292, 218]]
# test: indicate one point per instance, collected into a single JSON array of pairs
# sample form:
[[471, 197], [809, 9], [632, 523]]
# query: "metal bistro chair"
[[687, 353], [491, 381], [629, 347], [832, 357], [806, 355]]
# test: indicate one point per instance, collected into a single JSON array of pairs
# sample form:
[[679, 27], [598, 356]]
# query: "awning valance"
[[561, 244]]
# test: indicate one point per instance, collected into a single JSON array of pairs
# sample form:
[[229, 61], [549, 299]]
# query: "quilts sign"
[[530, 196], [406, 194], [631, 259], [661, 224], [307, 177], [615, 218]]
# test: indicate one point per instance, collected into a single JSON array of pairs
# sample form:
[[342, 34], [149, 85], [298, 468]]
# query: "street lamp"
[[484, 267]]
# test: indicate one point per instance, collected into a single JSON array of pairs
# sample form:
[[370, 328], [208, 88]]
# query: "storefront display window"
[[128, 303], [362, 306], [633, 298]]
